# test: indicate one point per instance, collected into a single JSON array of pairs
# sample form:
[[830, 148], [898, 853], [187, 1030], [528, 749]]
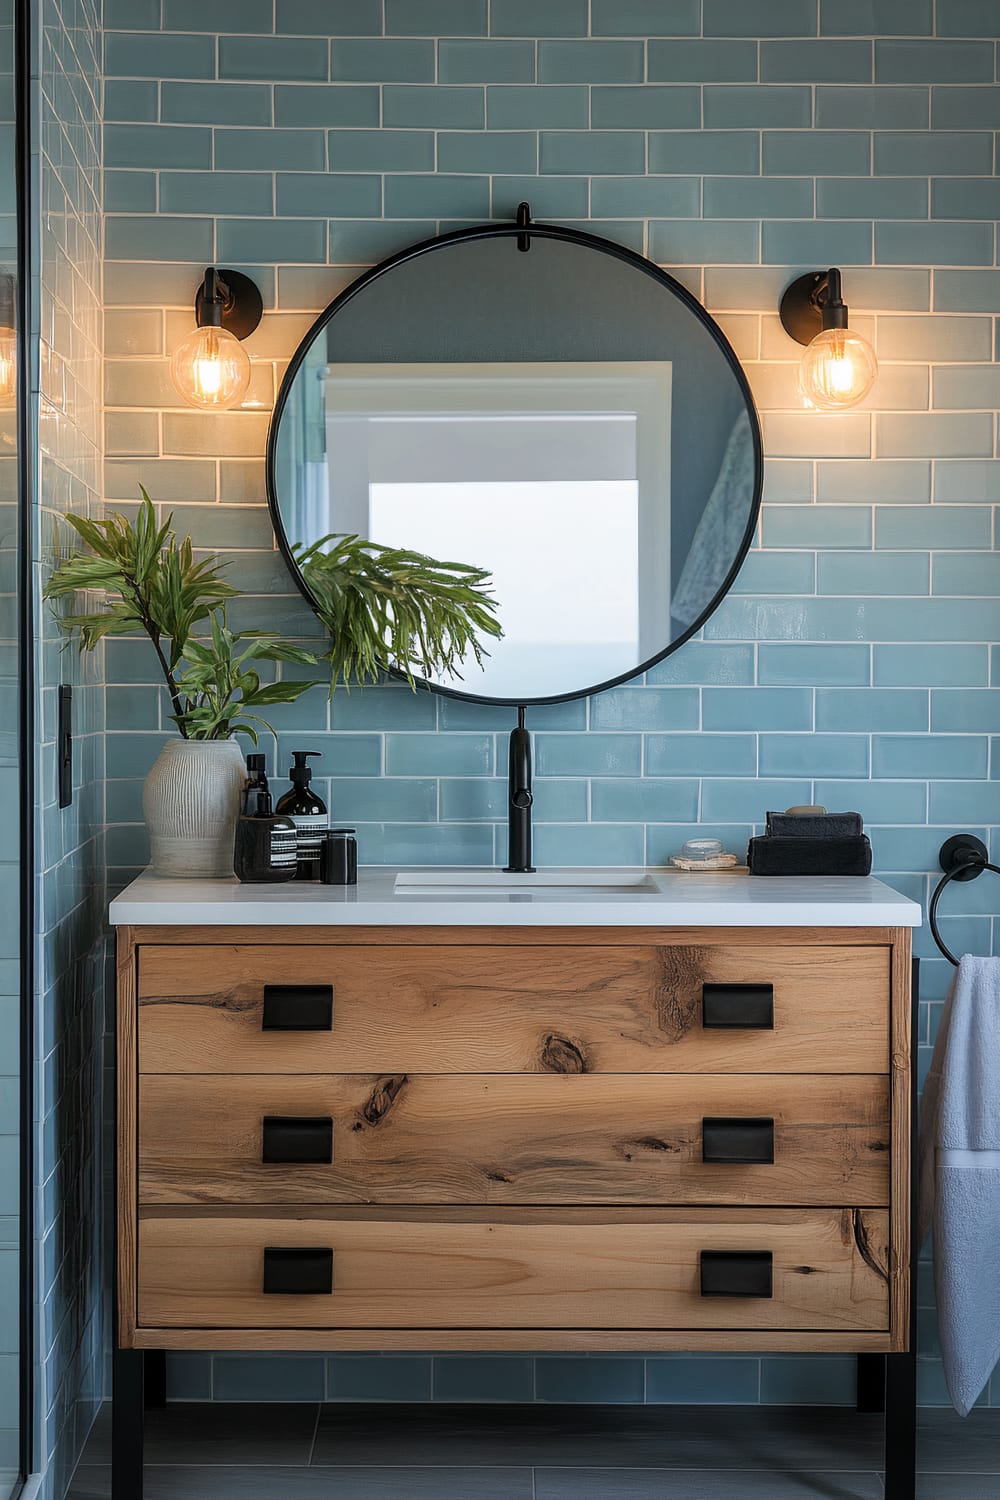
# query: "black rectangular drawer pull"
[[738, 1007], [298, 1007], [736, 1273], [739, 1139], [295, 1138], [296, 1272]]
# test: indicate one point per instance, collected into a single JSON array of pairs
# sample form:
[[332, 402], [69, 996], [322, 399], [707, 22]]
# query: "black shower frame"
[[25, 204], [520, 230]]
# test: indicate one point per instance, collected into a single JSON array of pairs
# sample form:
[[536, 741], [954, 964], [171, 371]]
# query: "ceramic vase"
[[191, 800]]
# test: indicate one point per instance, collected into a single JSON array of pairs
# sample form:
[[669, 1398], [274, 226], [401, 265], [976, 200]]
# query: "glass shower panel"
[[10, 881]]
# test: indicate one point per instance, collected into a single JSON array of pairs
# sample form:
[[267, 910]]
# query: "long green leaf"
[[392, 608], [153, 583]]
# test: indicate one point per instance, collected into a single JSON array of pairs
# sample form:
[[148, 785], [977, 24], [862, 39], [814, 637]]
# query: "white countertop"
[[673, 899]]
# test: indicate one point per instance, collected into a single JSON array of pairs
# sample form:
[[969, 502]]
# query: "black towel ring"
[[962, 857]]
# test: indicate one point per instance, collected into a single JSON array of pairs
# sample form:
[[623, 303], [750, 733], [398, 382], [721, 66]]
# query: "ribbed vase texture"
[[191, 800]]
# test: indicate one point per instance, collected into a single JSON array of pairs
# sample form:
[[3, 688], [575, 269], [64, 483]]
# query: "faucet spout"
[[519, 800]]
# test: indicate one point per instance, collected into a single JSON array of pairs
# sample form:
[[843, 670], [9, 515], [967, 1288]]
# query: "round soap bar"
[[802, 811]]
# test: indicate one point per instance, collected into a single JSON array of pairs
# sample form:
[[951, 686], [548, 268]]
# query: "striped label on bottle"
[[309, 830]]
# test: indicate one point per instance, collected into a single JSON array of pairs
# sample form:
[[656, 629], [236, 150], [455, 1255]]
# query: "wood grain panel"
[[480, 1340], [173, 935], [522, 1139], [517, 1269], [555, 1009], [127, 1126], [902, 1290]]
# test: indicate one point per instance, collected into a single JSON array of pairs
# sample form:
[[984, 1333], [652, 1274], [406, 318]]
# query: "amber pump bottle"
[[256, 777]]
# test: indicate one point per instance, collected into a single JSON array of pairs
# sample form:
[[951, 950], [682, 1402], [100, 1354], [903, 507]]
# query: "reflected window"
[[555, 477], [551, 524]]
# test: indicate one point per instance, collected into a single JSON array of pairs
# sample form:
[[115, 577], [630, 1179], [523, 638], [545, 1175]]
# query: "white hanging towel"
[[959, 1193]]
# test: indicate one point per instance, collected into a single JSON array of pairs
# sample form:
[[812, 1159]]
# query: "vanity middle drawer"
[[520, 1139], [552, 1008]]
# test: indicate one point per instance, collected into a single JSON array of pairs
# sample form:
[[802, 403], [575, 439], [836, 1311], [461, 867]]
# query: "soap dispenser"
[[307, 812], [256, 778]]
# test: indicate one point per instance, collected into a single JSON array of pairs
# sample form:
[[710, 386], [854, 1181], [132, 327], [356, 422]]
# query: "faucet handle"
[[522, 797]]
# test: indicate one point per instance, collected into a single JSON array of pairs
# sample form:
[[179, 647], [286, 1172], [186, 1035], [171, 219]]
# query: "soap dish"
[[704, 854]]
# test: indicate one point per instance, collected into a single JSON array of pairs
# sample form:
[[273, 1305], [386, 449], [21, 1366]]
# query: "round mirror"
[[543, 405]]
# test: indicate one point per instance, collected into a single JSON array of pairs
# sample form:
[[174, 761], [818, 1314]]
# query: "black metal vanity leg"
[[900, 1427], [901, 1369], [871, 1382], [127, 1424], [154, 1375]]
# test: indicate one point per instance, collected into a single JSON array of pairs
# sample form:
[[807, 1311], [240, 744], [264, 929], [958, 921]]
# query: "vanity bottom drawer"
[[815, 1269]]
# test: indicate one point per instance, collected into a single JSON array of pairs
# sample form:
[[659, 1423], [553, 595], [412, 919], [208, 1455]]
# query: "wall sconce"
[[839, 367], [8, 342], [210, 368]]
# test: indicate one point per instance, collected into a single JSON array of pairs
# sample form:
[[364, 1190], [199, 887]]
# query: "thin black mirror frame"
[[591, 242]]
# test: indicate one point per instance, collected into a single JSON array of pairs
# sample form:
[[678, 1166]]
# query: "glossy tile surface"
[[70, 843], [237, 1483], [734, 142], [530, 1453]]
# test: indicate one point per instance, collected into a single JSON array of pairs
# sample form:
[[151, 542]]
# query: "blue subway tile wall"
[[72, 1159], [736, 142]]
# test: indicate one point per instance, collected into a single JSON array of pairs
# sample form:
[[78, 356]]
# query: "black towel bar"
[[962, 857]]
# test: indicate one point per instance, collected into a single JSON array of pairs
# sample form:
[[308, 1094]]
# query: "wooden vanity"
[[514, 1134]]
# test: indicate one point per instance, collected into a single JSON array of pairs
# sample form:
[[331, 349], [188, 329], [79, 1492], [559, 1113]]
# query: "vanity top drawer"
[[520, 1139], [817, 1269], [734, 1008]]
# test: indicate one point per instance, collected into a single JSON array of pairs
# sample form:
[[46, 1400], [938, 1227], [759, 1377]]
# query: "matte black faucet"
[[519, 800]]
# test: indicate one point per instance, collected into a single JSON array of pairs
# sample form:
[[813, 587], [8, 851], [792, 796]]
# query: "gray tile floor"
[[367, 1452]]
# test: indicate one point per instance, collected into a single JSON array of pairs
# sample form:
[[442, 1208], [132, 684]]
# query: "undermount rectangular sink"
[[500, 882]]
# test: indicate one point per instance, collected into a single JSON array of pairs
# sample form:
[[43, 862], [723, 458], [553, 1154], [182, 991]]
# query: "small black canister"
[[338, 857]]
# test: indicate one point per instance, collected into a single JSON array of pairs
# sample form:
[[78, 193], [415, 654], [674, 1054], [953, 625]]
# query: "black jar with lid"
[[338, 857]]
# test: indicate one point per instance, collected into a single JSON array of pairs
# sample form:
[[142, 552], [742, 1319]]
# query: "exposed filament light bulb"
[[8, 343], [839, 367], [210, 368]]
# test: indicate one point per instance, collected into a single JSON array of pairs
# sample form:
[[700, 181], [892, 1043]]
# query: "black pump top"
[[300, 772], [258, 764]]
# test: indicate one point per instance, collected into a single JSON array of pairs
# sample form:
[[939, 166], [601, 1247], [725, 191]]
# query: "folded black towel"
[[815, 825], [770, 855]]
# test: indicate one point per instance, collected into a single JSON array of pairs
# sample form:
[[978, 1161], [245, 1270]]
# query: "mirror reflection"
[[560, 418]]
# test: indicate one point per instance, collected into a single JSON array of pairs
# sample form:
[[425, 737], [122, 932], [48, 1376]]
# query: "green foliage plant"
[[153, 583], [387, 608]]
